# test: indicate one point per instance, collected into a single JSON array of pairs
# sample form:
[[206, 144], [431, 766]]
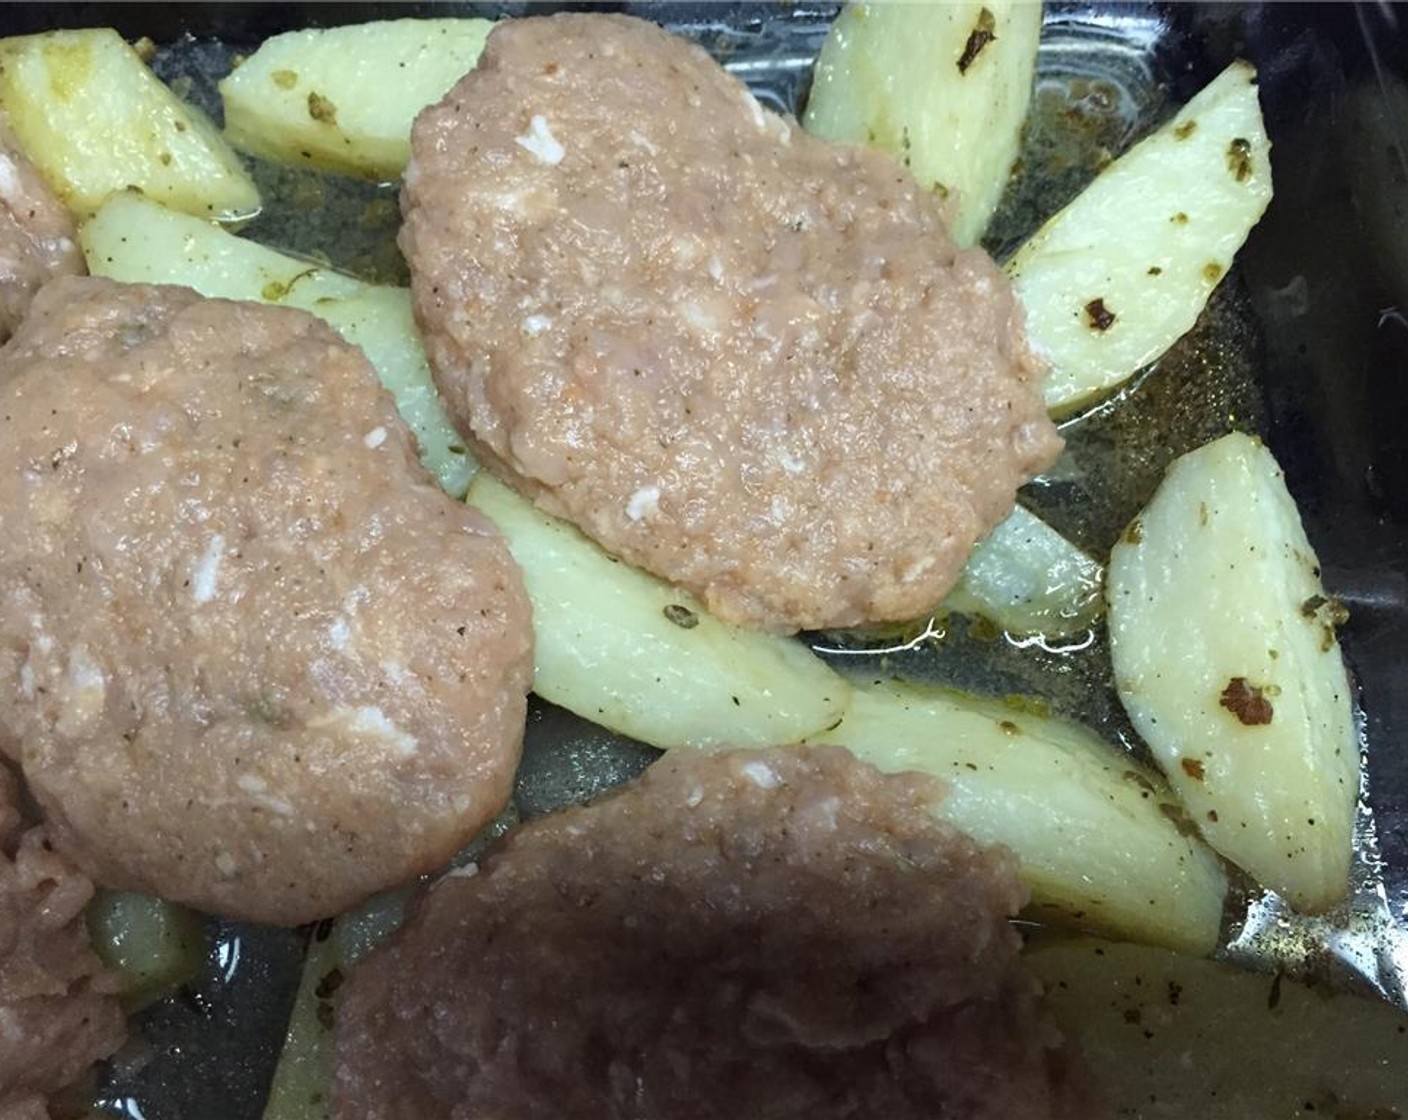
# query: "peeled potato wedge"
[[95, 120], [343, 99], [1225, 657], [1097, 843], [1170, 1037], [131, 238], [1122, 273], [943, 87], [153, 946], [1029, 579], [627, 651]]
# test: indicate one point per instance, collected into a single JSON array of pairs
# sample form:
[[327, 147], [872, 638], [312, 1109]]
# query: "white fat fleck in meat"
[[643, 503], [375, 438], [27, 681], [826, 809], [535, 325], [225, 864], [467, 871], [917, 569], [790, 463], [716, 270], [84, 692], [760, 118], [698, 317], [258, 790], [10, 187], [208, 570], [540, 143], [340, 634], [761, 775], [372, 722]]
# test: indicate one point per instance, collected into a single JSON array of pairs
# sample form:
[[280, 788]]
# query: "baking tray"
[[1305, 342]]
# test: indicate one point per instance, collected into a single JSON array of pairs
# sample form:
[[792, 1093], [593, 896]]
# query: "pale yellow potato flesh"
[[1171, 1037], [1029, 579], [133, 239], [1225, 657], [631, 653], [344, 98], [1097, 845], [1123, 272], [153, 946], [944, 87], [95, 120]]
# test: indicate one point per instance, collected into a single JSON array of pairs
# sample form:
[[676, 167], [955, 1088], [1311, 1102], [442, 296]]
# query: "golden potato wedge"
[[343, 98], [95, 120]]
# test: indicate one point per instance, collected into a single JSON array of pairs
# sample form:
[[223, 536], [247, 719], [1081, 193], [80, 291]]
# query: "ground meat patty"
[[37, 238], [58, 1008], [745, 360], [251, 658], [762, 934]]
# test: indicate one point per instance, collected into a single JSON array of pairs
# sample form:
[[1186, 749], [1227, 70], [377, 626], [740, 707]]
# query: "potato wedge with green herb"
[[95, 120], [943, 87], [1098, 838], [133, 239], [343, 98], [1225, 656], [1119, 275], [628, 651], [1171, 1037]]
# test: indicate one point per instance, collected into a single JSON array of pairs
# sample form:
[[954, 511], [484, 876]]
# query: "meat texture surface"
[[251, 658], [743, 359], [780, 933], [37, 236], [58, 1007]]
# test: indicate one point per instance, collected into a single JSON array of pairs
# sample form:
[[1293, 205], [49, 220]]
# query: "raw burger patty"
[[761, 934], [250, 657], [58, 1008], [37, 238], [740, 358]]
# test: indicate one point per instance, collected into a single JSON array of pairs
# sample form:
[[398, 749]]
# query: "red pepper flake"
[[1247, 702], [1099, 316], [1193, 768], [981, 36]]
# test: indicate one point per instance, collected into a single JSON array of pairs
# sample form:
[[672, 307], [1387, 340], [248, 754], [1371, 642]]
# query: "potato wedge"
[[1122, 273], [343, 99], [95, 120], [1029, 579], [131, 238], [630, 652], [1171, 1037], [1097, 844], [1225, 657], [943, 87], [153, 945]]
